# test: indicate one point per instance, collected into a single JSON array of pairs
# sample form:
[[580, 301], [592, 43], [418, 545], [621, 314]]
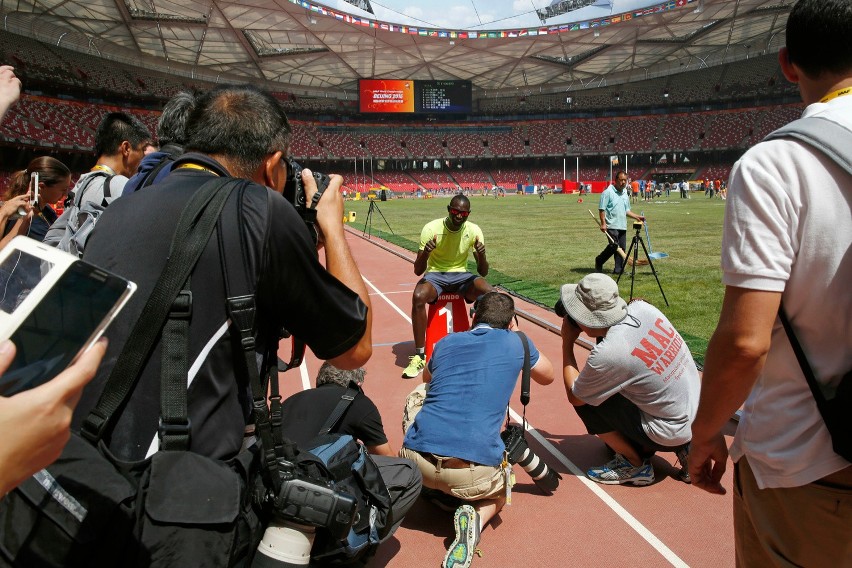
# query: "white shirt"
[[788, 228]]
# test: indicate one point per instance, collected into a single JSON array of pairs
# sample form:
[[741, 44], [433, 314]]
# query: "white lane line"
[[390, 293], [386, 299], [631, 521], [303, 371]]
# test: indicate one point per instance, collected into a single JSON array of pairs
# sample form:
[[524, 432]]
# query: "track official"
[[614, 208]]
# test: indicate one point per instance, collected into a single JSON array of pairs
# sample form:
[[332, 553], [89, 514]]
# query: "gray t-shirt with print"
[[646, 360]]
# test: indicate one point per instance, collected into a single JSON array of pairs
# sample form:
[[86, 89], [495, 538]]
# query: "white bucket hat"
[[594, 301]]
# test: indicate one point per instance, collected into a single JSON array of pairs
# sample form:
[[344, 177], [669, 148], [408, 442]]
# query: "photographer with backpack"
[[338, 398], [120, 142]]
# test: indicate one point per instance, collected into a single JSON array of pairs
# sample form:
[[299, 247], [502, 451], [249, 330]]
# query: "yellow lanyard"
[[838, 93], [196, 167], [104, 168]]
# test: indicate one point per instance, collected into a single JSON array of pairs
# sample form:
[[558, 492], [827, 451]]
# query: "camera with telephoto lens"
[[294, 192], [301, 506], [546, 478]]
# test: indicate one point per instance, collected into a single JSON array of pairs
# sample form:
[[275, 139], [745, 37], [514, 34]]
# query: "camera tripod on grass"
[[634, 260], [368, 222]]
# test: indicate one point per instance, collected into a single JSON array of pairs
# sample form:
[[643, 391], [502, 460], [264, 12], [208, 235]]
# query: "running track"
[[668, 523]]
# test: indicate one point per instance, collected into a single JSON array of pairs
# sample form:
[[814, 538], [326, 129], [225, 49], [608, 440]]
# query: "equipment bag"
[[834, 410], [176, 508], [79, 219], [353, 471], [345, 463]]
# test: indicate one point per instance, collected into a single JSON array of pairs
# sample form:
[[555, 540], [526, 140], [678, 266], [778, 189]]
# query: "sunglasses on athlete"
[[455, 212]]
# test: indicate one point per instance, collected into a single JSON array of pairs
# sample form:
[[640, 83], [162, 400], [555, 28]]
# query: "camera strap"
[[525, 380], [242, 309], [340, 409]]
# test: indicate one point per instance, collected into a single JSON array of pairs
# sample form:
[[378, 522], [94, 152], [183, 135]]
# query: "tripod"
[[634, 248], [368, 223]]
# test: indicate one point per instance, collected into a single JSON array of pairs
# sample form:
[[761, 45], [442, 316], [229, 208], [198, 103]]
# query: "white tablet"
[[53, 306]]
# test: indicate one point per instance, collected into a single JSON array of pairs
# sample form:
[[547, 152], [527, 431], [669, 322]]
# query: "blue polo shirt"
[[473, 376], [616, 205]]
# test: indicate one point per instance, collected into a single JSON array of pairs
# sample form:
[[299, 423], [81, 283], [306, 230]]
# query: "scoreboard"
[[410, 96], [442, 96]]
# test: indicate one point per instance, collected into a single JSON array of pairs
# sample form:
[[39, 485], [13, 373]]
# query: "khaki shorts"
[[471, 483]]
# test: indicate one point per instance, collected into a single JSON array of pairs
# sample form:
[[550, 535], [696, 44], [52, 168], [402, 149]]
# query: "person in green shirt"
[[444, 248]]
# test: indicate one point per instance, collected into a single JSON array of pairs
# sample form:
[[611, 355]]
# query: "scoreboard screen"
[[379, 95], [442, 96], [409, 96]]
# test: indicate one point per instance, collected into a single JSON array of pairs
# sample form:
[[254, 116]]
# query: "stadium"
[[553, 100]]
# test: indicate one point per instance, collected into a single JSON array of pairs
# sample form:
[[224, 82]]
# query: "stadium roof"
[[307, 47]]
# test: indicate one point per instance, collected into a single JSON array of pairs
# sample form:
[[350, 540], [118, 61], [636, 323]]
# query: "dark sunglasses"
[[455, 212]]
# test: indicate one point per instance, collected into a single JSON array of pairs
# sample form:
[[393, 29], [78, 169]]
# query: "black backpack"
[[345, 462]]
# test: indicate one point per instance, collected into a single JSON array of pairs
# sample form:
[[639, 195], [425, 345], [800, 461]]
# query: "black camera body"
[[294, 192], [519, 452], [313, 503], [560, 310]]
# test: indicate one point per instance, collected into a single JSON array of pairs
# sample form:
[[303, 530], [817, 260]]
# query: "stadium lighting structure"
[[559, 7], [362, 4]]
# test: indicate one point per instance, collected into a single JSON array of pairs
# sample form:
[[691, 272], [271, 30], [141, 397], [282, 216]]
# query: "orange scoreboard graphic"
[[380, 95]]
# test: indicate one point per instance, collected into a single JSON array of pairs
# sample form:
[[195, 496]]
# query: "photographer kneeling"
[[638, 391], [455, 436], [304, 414]]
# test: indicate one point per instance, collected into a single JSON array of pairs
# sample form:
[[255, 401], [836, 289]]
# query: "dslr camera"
[[560, 310], [300, 507], [519, 452], [294, 192]]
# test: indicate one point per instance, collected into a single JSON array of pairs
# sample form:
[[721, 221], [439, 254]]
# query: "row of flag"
[[454, 34]]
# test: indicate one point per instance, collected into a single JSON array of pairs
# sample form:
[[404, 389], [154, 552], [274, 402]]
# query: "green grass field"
[[534, 246]]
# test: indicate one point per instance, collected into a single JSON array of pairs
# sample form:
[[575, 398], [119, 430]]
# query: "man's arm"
[[339, 262], [479, 255], [570, 372], [423, 255], [735, 357], [382, 450], [10, 89], [542, 372]]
